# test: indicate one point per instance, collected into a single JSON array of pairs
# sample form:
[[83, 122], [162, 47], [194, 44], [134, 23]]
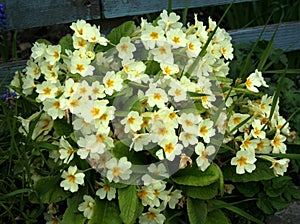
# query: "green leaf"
[[248, 189], [204, 193], [62, 128], [66, 42], [236, 210], [192, 176], [43, 41], [124, 30], [105, 212], [217, 216], [49, 190], [129, 204], [152, 68], [72, 214], [197, 211], [262, 172], [264, 204], [121, 150]]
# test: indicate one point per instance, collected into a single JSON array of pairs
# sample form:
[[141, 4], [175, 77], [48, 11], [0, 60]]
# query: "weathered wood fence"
[[36, 13]]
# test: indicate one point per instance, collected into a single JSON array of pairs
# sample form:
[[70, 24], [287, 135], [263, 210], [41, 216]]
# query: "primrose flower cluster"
[[153, 103]]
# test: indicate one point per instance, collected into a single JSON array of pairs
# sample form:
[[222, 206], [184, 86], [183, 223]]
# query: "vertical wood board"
[[27, 14]]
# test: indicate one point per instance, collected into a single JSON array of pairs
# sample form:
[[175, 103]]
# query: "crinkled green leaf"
[[124, 30], [62, 127], [72, 214], [129, 203], [262, 172], [197, 211], [192, 176], [105, 212], [248, 189], [66, 42], [49, 190], [204, 193], [217, 216]]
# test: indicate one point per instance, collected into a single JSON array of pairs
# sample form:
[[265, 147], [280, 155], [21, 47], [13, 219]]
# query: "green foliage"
[[66, 43], [197, 211], [192, 176], [262, 172], [130, 206], [105, 212], [72, 215]]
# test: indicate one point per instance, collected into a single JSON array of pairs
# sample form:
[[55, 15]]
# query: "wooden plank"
[[119, 8], [27, 14], [287, 37], [7, 71]]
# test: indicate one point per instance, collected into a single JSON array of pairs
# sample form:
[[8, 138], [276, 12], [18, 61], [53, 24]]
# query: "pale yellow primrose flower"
[[244, 161], [280, 166], [53, 108], [132, 122], [206, 130], [162, 53], [112, 82], [118, 169], [66, 151], [46, 90], [203, 152], [53, 54], [263, 146], [156, 96], [32, 69], [152, 35], [153, 216], [257, 131], [254, 80], [169, 21], [125, 48], [87, 207], [278, 143], [170, 148], [193, 46], [176, 37], [106, 191], [72, 179]]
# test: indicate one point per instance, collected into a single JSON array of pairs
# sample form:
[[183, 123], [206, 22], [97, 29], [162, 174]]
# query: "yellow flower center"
[[71, 178], [151, 215], [95, 112], [176, 40], [249, 83], [154, 35], [276, 141], [169, 148], [79, 67], [242, 161], [106, 187], [110, 83], [191, 46], [131, 120], [203, 130], [56, 54], [47, 91], [116, 171], [142, 193], [124, 47], [237, 120], [157, 96], [56, 104]]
